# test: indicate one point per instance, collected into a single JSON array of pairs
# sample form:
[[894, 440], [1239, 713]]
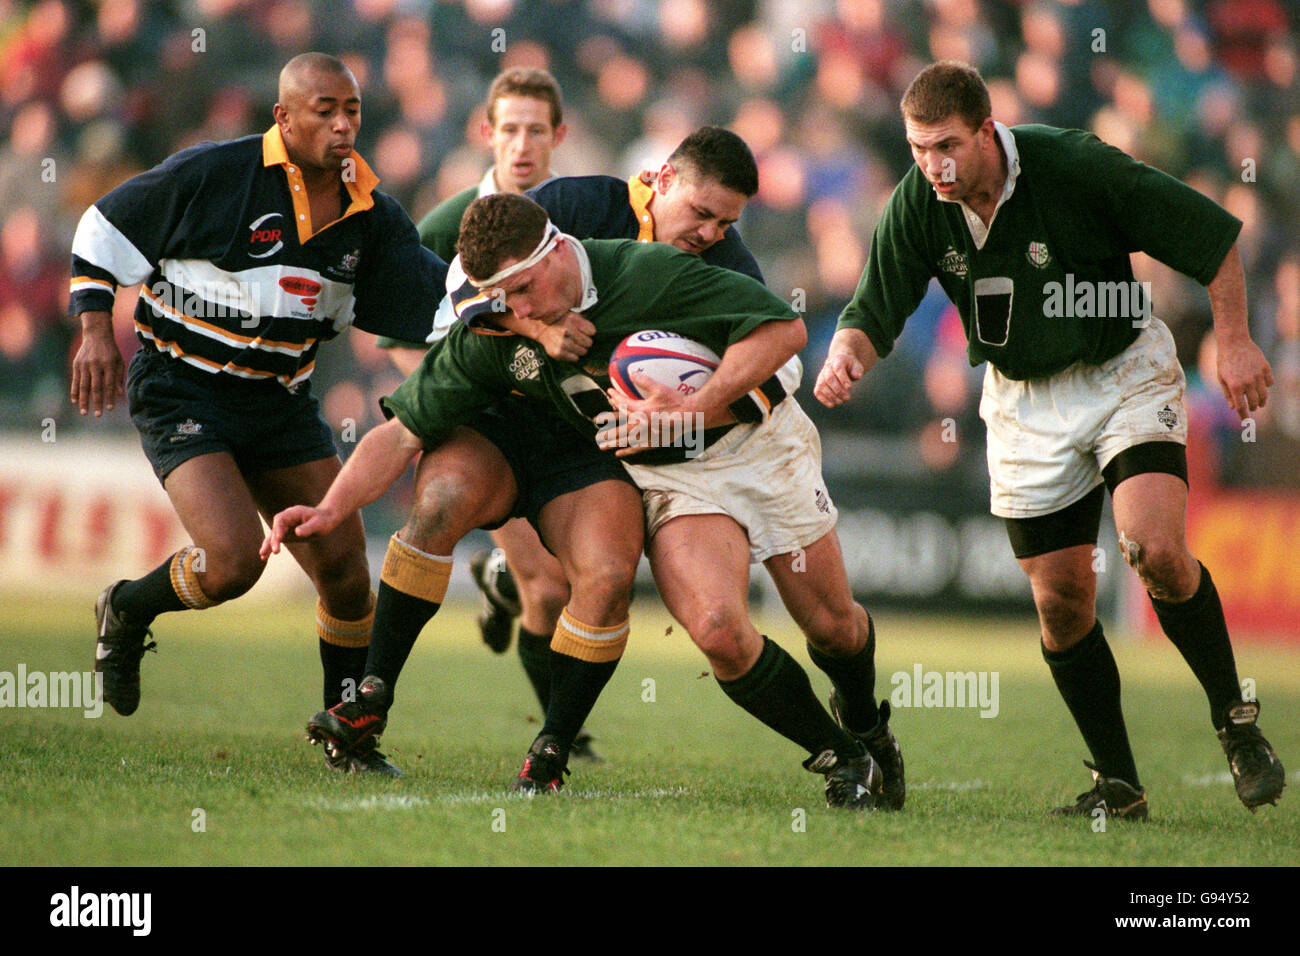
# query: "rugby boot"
[[884, 750], [852, 784], [1115, 797], [545, 766], [350, 724], [118, 648], [500, 598], [1256, 772], [365, 759]]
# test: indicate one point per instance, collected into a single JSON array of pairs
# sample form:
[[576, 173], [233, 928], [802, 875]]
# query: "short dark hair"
[[526, 81], [498, 227], [944, 89], [712, 152]]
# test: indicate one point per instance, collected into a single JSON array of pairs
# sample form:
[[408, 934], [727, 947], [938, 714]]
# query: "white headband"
[[550, 236]]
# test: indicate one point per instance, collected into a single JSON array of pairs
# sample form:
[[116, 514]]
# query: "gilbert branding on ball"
[[666, 357]]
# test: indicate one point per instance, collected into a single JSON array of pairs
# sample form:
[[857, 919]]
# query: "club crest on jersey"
[[1167, 417], [954, 262], [525, 364], [266, 239], [1038, 254]]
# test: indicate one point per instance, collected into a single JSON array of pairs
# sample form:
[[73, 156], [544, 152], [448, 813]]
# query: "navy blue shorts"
[[547, 455], [183, 412]]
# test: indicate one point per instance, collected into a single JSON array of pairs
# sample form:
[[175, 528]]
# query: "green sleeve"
[[716, 306], [1150, 210], [441, 227], [896, 275], [458, 376]]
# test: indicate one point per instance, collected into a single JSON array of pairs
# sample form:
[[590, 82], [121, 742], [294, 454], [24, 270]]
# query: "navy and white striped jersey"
[[236, 279]]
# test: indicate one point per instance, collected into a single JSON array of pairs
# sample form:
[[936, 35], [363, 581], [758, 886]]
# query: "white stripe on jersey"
[[101, 243], [260, 291]]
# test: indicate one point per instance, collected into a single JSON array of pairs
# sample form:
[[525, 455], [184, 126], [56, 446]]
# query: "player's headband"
[[550, 236]]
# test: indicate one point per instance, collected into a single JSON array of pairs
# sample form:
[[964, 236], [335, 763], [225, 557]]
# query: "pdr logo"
[[265, 239]]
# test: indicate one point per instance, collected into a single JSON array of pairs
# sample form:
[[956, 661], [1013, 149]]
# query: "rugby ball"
[[665, 357]]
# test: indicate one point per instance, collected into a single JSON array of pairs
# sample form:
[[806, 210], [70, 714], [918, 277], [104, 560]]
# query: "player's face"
[[693, 213], [319, 120], [522, 140], [547, 291], [952, 156]]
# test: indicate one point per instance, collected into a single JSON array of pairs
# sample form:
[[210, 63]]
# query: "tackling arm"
[[379, 460]]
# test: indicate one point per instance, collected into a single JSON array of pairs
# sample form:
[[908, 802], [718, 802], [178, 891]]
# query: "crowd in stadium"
[[1208, 90]]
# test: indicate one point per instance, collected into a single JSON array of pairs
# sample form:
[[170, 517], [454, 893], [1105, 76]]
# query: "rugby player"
[[252, 253], [510, 250], [1006, 219]]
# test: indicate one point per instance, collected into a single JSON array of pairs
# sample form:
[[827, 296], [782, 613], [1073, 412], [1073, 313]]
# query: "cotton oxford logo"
[[266, 238], [1038, 254], [954, 262], [1167, 417], [526, 364]]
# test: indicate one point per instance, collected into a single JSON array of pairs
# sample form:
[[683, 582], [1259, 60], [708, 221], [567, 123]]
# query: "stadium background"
[[91, 93]]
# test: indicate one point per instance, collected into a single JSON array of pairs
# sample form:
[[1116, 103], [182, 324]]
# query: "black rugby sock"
[[1088, 680], [399, 618], [855, 682], [145, 598], [1197, 628], [575, 684], [411, 588], [535, 655], [340, 664], [776, 691]]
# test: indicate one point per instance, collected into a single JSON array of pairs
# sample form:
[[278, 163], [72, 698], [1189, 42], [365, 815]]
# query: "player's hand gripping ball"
[[670, 359]]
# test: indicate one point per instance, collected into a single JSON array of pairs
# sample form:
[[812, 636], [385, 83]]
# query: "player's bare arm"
[[566, 339], [380, 458], [850, 357], [98, 373], [1244, 373], [745, 365]]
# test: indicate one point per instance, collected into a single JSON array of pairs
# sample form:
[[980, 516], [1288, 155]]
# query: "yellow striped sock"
[[414, 572], [185, 578], [333, 630], [597, 645]]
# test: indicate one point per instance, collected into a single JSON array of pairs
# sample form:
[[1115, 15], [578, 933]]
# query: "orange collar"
[[360, 185], [639, 194]]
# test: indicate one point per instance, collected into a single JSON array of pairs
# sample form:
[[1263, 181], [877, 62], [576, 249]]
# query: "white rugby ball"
[[665, 357]]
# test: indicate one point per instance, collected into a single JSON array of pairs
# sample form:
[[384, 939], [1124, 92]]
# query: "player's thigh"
[[814, 585], [336, 560], [217, 509], [464, 483], [596, 532], [526, 556], [1064, 583], [701, 568]]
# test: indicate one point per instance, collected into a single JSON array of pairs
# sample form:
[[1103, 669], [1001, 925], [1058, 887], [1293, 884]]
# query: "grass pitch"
[[213, 770]]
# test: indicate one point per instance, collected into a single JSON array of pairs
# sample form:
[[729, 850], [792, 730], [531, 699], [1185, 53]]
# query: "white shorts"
[[767, 477], [1050, 438]]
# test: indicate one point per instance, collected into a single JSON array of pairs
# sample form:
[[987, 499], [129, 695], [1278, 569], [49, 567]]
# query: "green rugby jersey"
[[1052, 283], [639, 285]]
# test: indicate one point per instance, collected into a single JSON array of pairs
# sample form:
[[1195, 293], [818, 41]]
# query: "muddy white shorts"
[[767, 477], [1049, 438]]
